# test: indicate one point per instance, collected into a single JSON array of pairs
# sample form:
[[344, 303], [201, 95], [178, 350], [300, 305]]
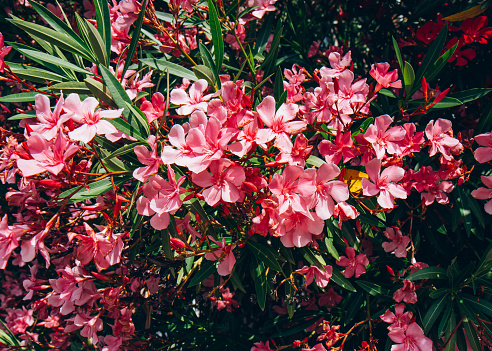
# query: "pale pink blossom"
[[92, 123], [407, 293], [193, 100], [264, 6], [354, 264], [9, 240], [149, 158], [484, 154], [113, 343], [50, 123], [485, 193], [410, 339], [383, 183], [223, 184], [297, 229], [440, 139], [134, 85], [322, 276], [246, 140], [384, 78], [97, 246], [383, 139], [296, 154], [46, 156], [398, 244], [155, 109], [338, 65]]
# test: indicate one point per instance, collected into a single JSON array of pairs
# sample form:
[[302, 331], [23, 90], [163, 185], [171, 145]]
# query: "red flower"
[[429, 31], [461, 56], [474, 30]]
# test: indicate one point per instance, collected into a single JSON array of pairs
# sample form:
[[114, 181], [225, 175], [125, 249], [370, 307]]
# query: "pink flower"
[[9, 240], [192, 102], [155, 109], [46, 156], [227, 301], [398, 244], [263, 7], [94, 245], [92, 123], [4, 50], [296, 154], [260, 346], [399, 319], [354, 264], [278, 122], [224, 255], [322, 277], [148, 158], [223, 184], [484, 154], [338, 65], [407, 293], [383, 77], [485, 193], [341, 148], [382, 139], [439, 137], [91, 325], [330, 298], [383, 183], [50, 123], [410, 339], [297, 229]]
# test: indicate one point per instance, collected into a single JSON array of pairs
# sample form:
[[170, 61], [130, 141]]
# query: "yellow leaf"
[[354, 179], [470, 13]]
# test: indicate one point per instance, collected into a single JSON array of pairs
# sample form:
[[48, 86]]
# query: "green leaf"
[[118, 93], [315, 161], [261, 283], [471, 335], [388, 93], [35, 74], [103, 21], [485, 122], [263, 35], [465, 212], [472, 204], [236, 282], [166, 243], [216, 31], [408, 77], [431, 56], [56, 23], [434, 312], [71, 87], [207, 268], [61, 40], [289, 303], [340, 280], [209, 62], [428, 273], [19, 97], [265, 254], [141, 119], [440, 63], [135, 37], [354, 307], [270, 59], [174, 69], [53, 60], [98, 44], [100, 91], [479, 304], [203, 72], [126, 128], [398, 55], [278, 87], [30, 114], [450, 335], [372, 288], [330, 247], [96, 188]]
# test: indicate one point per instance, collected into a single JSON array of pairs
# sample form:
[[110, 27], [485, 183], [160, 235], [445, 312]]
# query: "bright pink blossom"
[[224, 254], [485, 193], [9, 240], [4, 50], [354, 265], [384, 78], [383, 183], [193, 100], [399, 319], [342, 147], [398, 244], [149, 158], [383, 139], [297, 229], [155, 109], [260, 346], [322, 276], [484, 154], [338, 65], [50, 122], [440, 139], [410, 339]]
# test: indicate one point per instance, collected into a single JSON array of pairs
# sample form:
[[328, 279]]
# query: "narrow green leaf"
[[269, 64], [278, 86], [440, 63], [264, 254], [465, 211], [450, 335], [485, 123], [330, 247], [174, 69], [207, 268], [471, 335], [37, 75], [261, 283], [479, 304], [61, 40], [354, 307], [236, 281], [103, 21], [428, 273], [166, 244], [124, 150], [126, 128], [398, 55], [100, 91], [263, 35], [53, 60], [19, 97], [372, 288], [95, 189], [408, 77], [434, 312], [340, 280], [474, 207], [135, 37], [431, 56], [141, 120], [119, 94], [203, 72], [315, 161], [209, 62], [289, 301], [98, 44], [388, 93], [30, 114], [71, 87], [216, 31]]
